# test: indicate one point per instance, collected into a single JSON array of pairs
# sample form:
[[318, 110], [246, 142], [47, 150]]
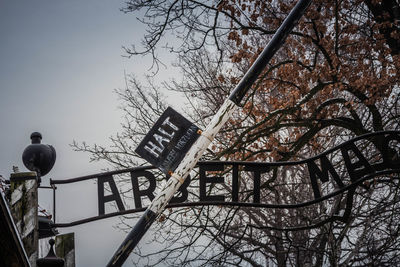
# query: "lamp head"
[[39, 157]]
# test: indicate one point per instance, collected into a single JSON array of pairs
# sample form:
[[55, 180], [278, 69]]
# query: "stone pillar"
[[65, 248], [24, 209]]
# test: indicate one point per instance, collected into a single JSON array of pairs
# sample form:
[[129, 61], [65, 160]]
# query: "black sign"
[[168, 141]]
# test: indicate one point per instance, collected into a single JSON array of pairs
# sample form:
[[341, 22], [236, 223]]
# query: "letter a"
[[113, 197], [354, 169]]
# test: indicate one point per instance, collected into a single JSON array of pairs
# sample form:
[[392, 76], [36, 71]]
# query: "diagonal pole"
[[196, 151]]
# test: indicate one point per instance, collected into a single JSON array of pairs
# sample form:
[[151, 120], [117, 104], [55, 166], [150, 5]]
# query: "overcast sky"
[[60, 62]]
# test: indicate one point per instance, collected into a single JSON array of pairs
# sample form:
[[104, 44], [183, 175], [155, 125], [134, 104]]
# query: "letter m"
[[322, 174]]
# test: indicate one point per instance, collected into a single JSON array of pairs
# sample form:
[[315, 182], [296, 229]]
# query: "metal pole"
[[196, 151], [54, 202]]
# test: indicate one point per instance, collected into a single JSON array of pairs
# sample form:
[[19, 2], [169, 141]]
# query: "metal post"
[[54, 201], [196, 151]]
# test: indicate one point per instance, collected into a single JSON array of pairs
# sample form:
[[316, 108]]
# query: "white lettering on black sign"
[[168, 140], [161, 136]]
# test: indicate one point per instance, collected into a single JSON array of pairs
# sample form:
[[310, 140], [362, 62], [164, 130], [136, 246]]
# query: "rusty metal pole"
[[196, 151]]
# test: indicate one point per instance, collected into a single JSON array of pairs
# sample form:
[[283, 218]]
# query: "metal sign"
[[168, 140], [359, 168]]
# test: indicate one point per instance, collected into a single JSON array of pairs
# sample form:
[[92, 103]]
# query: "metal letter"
[[137, 193], [113, 197], [323, 174], [355, 169], [212, 180], [257, 170]]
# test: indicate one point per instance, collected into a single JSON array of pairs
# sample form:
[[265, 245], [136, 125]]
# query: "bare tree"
[[336, 78]]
